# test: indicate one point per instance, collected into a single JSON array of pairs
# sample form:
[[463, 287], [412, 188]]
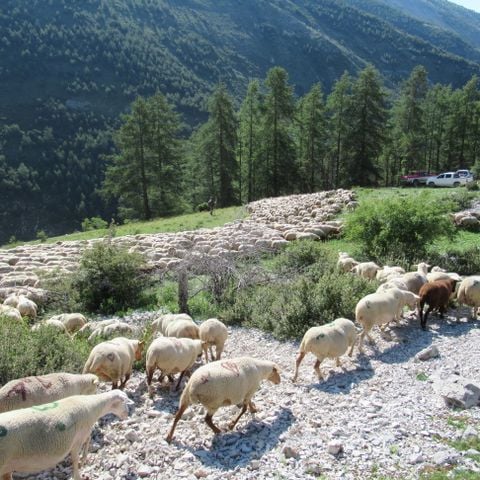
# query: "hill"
[[70, 68]]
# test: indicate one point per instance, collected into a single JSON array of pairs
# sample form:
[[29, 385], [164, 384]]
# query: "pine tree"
[[367, 124], [311, 140], [249, 139], [277, 123], [338, 105]]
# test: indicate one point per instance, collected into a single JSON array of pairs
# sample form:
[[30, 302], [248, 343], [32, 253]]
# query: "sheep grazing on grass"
[[10, 312], [51, 322], [72, 321], [12, 300], [178, 325], [223, 383], [111, 330], [380, 308], [27, 307], [112, 361], [37, 438], [345, 262], [415, 280], [29, 391], [435, 295], [214, 333], [366, 270], [172, 355], [327, 341], [469, 293]]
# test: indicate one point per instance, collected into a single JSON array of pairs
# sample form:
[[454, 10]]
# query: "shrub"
[[472, 186], [38, 352], [462, 199], [110, 279], [93, 223], [42, 236], [202, 207], [399, 227], [463, 261]]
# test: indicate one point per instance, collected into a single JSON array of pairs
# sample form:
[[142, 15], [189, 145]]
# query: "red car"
[[415, 178]]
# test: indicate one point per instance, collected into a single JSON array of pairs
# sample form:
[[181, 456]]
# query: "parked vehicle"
[[415, 178], [465, 173], [448, 179]]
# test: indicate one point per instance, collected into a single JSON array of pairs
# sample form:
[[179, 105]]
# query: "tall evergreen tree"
[[338, 105], [367, 119], [409, 121], [278, 116], [143, 176], [312, 137], [249, 138]]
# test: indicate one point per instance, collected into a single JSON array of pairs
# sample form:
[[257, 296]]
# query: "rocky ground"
[[377, 417]]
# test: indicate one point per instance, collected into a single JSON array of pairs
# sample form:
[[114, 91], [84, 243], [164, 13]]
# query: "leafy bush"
[[202, 207], [110, 279], [42, 236], [472, 186], [38, 352], [93, 223], [399, 227], [463, 261], [462, 199]]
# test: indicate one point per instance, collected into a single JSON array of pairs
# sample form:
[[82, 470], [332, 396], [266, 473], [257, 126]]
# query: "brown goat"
[[435, 295]]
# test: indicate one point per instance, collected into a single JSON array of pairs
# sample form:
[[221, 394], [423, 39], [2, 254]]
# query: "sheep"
[[345, 262], [434, 276], [72, 321], [10, 312], [214, 333], [380, 308], [51, 322], [113, 360], [161, 323], [90, 327], [112, 329], [366, 270], [436, 295], [178, 325], [327, 341], [12, 300], [469, 293], [387, 273], [172, 355], [415, 280], [396, 282], [225, 382], [436, 268], [29, 391], [37, 438], [27, 307]]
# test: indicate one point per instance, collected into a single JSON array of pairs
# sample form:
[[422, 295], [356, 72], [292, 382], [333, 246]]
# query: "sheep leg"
[[179, 380], [350, 353], [232, 424], [316, 367], [218, 352], [424, 321], [300, 357], [126, 379], [209, 422], [114, 385], [178, 416], [75, 461], [150, 372], [338, 363], [210, 348], [252, 407], [171, 379]]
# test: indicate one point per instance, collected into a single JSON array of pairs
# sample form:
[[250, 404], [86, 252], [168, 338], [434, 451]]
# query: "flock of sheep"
[[45, 418]]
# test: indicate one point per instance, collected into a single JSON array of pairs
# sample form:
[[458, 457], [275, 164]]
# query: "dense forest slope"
[[70, 67]]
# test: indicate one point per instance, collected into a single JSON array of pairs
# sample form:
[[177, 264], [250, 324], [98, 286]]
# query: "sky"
[[472, 4]]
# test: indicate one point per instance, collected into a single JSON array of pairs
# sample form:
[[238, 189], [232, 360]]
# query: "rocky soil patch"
[[379, 415]]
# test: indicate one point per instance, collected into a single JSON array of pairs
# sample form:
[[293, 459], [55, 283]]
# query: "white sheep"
[[51, 322], [469, 293], [27, 307], [214, 333], [37, 438], [10, 312], [225, 382], [113, 360], [29, 391], [72, 321], [12, 300], [110, 330], [396, 282], [345, 262], [178, 325], [172, 355], [366, 270], [387, 273], [415, 280], [380, 308], [434, 276], [90, 327], [327, 341]]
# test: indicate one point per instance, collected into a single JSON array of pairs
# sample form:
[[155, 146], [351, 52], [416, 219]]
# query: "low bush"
[[38, 352], [111, 279], [399, 227], [93, 223], [463, 261]]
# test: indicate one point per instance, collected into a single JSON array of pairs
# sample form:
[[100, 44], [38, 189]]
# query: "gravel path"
[[376, 408]]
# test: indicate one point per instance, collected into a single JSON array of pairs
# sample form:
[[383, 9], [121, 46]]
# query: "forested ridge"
[[71, 68]]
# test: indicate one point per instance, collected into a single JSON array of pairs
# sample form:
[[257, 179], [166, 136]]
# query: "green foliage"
[[42, 236], [472, 186], [93, 223], [304, 290], [422, 377], [110, 279], [463, 260], [37, 352], [399, 227]]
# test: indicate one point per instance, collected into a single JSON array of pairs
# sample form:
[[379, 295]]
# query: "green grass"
[[446, 474], [422, 377], [191, 221]]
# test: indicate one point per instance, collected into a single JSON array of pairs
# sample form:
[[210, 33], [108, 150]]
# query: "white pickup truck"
[[448, 179]]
